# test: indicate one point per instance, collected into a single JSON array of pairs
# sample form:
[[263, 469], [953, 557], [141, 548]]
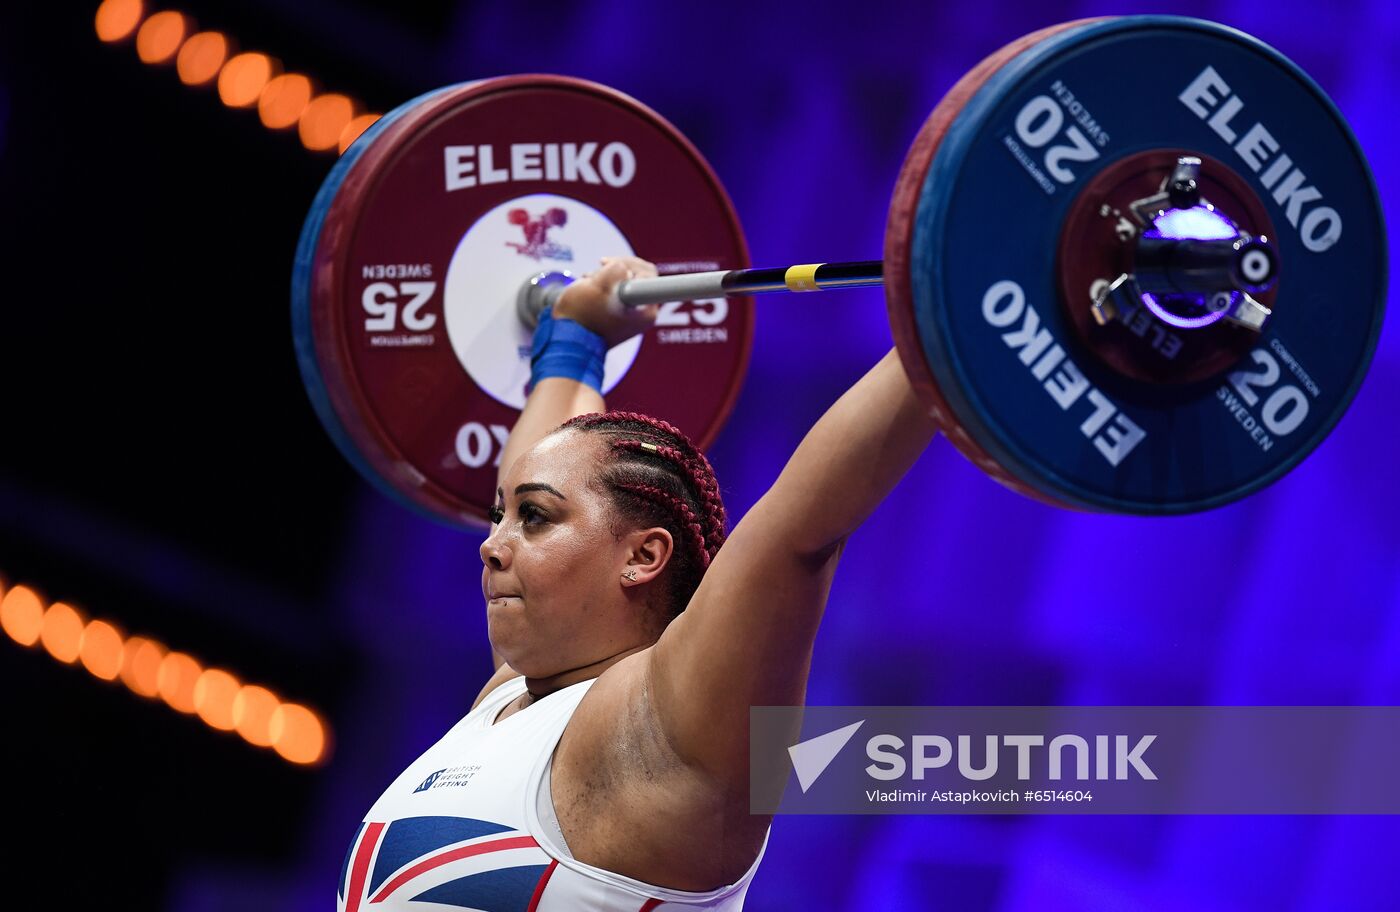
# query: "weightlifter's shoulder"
[[627, 803], [614, 706]]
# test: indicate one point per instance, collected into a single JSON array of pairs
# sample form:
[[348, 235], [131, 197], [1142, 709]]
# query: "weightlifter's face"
[[551, 566]]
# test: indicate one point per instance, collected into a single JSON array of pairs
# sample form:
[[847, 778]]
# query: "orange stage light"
[[283, 100], [161, 36], [297, 734], [214, 693], [62, 632], [101, 650], [242, 79], [252, 714], [117, 19], [354, 128], [201, 58], [22, 615], [176, 679], [141, 660], [323, 121]]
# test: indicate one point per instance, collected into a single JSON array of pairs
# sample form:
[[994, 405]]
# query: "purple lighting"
[[1201, 223], [1166, 316]]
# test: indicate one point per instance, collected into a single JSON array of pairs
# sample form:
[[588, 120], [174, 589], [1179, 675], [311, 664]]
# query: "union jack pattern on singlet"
[[443, 860], [470, 825]]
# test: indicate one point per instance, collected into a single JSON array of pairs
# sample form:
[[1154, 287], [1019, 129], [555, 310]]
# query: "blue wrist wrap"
[[563, 348]]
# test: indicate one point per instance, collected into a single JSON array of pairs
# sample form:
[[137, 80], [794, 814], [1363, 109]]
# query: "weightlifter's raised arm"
[[746, 638]]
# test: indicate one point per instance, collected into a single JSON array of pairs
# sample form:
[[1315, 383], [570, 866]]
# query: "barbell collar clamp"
[[1122, 298], [1165, 265]]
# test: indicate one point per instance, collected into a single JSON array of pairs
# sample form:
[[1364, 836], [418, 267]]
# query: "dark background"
[[160, 466]]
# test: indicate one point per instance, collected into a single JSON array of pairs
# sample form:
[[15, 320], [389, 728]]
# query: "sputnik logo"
[[810, 758], [537, 244]]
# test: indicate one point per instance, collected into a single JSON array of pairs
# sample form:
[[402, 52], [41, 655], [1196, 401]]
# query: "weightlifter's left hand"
[[593, 303]]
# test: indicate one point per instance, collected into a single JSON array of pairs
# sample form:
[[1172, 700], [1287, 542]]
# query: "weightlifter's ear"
[[648, 552]]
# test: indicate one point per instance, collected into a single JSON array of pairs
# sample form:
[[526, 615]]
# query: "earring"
[[630, 575]]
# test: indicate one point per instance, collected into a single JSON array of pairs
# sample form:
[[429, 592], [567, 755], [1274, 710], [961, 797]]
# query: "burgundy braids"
[[658, 478]]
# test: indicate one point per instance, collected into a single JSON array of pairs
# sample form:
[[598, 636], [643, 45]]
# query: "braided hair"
[[656, 477]]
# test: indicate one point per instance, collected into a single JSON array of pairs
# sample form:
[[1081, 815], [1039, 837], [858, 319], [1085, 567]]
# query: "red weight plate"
[[899, 231], [464, 194]]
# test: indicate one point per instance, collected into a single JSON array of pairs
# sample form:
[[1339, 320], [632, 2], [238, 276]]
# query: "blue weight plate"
[[995, 333]]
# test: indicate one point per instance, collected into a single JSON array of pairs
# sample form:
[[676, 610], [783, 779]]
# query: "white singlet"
[[471, 825]]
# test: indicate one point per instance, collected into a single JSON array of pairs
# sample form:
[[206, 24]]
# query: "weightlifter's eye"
[[496, 514], [531, 515]]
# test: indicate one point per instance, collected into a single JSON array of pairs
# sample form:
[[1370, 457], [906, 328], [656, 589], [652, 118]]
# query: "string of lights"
[[149, 669], [324, 121]]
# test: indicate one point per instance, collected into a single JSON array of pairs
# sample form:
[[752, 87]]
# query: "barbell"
[[1131, 264]]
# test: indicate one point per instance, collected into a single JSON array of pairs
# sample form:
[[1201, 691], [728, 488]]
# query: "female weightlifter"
[[605, 764]]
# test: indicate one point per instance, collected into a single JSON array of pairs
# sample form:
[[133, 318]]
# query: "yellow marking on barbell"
[[803, 277]]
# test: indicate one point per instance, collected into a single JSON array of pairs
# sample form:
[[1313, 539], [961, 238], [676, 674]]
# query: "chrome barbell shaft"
[[543, 290]]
